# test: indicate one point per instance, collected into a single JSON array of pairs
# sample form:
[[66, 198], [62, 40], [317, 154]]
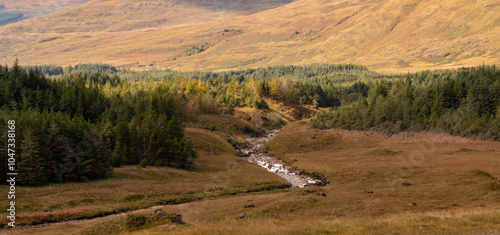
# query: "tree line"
[[70, 130], [464, 102], [78, 122], [318, 85]]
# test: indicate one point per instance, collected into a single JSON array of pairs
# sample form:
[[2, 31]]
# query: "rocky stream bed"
[[251, 151]]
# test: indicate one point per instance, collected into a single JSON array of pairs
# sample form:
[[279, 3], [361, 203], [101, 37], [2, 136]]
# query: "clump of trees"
[[463, 102], [71, 130], [319, 85], [76, 123]]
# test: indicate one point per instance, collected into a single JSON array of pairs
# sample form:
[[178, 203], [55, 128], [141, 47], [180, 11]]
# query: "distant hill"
[[12, 11], [386, 35]]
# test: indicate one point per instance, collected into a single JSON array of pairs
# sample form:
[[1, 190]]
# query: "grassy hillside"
[[366, 194], [32, 8], [220, 173], [405, 35]]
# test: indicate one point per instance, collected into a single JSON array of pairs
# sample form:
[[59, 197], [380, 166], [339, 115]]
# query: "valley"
[[250, 117], [366, 192]]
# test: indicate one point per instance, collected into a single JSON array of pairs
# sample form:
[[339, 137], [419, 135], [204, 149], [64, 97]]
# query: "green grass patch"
[[466, 150], [493, 186], [481, 173], [382, 152]]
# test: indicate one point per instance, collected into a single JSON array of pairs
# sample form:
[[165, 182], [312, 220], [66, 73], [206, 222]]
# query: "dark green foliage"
[[143, 163], [69, 130], [47, 70], [97, 68], [463, 102], [32, 168], [168, 145], [136, 221], [54, 70], [3, 149]]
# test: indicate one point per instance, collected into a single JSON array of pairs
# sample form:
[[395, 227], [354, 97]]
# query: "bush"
[[136, 221], [143, 163]]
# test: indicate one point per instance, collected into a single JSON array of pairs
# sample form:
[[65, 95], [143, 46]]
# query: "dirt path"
[[251, 152]]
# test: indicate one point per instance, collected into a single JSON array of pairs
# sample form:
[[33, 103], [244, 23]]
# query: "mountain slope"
[[120, 15], [383, 34], [25, 9]]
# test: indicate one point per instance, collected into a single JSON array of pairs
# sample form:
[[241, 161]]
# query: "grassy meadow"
[[220, 173], [410, 183]]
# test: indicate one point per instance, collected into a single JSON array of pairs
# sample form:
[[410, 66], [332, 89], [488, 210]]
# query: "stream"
[[251, 152]]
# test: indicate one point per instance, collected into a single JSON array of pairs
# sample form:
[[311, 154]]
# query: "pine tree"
[[31, 167]]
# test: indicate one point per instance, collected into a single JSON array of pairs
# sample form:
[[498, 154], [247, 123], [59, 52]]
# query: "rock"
[[368, 192], [340, 215], [479, 206], [309, 191], [314, 137], [271, 212], [159, 213], [405, 184], [46, 209], [249, 200], [290, 210], [241, 216], [329, 219], [492, 179], [454, 204], [212, 211], [314, 199], [177, 219], [321, 194], [301, 145], [413, 204], [249, 205]]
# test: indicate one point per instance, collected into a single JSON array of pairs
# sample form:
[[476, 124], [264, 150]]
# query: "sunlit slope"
[[120, 15], [33, 8], [386, 35]]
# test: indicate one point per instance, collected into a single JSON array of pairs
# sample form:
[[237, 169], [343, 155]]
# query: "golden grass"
[[34, 8], [450, 191], [290, 112], [218, 217], [406, 37], [227, 124], [220, 173]]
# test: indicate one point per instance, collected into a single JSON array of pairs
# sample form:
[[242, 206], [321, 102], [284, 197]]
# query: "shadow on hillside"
[[251, 6]]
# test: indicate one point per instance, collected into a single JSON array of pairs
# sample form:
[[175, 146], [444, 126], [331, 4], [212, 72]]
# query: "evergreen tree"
[[30, 168]]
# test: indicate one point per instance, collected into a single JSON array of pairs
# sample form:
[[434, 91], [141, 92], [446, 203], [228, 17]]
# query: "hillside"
[[387, 35], [367, 193], [12, 11]]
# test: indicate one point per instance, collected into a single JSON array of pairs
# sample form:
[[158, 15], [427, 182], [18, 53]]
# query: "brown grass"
[[417, 34], [451, 191], [34, 8], [228, 124], [220, 173]]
